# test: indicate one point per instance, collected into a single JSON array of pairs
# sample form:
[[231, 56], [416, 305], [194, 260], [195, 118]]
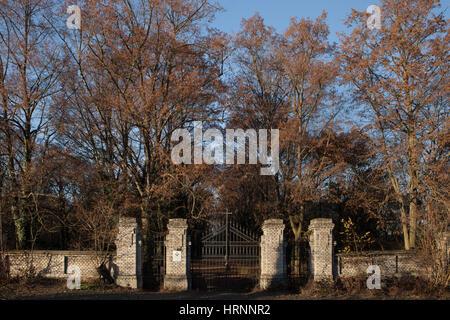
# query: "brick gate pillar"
[[128, 260], [177, 277], [273, 260], [321, 243]]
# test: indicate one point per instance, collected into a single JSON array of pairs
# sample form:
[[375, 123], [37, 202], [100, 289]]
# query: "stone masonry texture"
[[54, 264], [177, 276], [125, 264], [321, 243], [128, 261], [273, 261]]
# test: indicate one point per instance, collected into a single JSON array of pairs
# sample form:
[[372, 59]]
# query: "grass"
[[351, 289]]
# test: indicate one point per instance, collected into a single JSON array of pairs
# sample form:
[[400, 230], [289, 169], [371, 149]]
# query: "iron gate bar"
[[214, 233], [155, 270], [226, 257], [297, 255]]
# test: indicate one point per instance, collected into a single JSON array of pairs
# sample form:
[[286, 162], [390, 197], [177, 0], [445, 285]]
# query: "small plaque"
[[176, 256]]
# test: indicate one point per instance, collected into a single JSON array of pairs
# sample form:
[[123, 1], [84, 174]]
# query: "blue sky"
[[277, 13]]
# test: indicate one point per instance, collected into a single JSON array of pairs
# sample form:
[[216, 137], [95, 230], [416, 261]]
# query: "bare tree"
[[400, 72], [29, 71]]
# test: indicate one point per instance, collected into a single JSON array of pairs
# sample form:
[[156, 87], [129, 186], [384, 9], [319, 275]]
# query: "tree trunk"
[[405, 228], [19, 224], [412, 155], [297, 226]]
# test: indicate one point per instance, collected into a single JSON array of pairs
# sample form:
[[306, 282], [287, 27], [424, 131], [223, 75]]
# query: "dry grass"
[[18, 288], [354, 289]]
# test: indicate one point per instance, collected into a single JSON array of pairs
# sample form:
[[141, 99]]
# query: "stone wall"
[[124, 265], [52, 264], [391, 263], [394, 263], [325, 265]]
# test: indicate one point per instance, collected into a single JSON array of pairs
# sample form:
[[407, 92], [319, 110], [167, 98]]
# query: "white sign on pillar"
[[176, 256]]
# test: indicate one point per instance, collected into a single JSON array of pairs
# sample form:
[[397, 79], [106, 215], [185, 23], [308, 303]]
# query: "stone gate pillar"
[[129, 257], [321, 243], [177, 277], [273, 260], [443, 246]]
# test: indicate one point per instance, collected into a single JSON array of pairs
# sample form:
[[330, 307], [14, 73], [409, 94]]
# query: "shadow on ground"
[[142, 295]]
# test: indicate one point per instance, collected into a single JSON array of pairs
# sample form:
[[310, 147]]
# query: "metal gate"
[[297, 262], [227, 257], [154, 267]]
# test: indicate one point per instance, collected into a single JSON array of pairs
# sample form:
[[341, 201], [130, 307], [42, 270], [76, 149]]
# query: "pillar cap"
[[127, 221], [273, 223], [321, 223], [177, 223]]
